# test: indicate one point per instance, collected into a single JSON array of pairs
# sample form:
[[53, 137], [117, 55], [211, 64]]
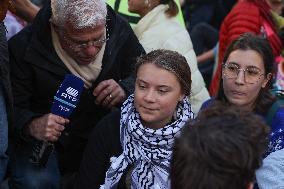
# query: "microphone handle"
[[41, 151]]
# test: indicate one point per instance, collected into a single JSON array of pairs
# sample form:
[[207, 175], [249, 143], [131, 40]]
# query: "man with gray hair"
[[82, 37]]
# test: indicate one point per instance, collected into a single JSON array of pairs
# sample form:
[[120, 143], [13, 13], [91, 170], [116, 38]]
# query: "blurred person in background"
[[203, 21], [158, 29], [257, 20], [211, 12], [23, 13], [121, 7]]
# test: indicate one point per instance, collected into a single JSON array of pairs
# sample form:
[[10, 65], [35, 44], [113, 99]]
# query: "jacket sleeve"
[[103, 144], [3, 111], [22, 87], [270, 174]]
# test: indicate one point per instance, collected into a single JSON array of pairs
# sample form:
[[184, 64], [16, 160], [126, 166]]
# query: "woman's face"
[[157, 93], [243, 90]]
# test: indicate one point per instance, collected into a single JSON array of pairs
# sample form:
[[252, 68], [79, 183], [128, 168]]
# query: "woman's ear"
[[265, 81], [181, 97]]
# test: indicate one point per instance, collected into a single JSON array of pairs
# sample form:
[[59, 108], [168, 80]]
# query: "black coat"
[[104, 143], [37, 72], [4, 73]]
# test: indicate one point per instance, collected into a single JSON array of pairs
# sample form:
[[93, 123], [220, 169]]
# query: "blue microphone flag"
[[67, 96]]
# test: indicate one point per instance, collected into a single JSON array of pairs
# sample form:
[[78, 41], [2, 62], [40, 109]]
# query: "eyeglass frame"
[[244, 70], [79, 46]]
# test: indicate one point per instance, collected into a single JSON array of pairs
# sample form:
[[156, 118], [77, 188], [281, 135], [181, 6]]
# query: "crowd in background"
[[177, 94]]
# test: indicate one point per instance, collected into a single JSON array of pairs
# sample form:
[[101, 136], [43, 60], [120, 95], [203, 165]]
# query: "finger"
[[106, 101], [119, 97], [60, 120], [67, 121], [50, 137], [57, 134], [59, 128], [103, 95], [115, 98], [53, 124], [54, 133], [53, 130], [101, 86]]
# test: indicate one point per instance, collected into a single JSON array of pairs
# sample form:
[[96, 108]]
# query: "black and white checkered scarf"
[[148, 150]]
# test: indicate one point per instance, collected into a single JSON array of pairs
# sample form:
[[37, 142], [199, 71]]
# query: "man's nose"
[[91, 51]]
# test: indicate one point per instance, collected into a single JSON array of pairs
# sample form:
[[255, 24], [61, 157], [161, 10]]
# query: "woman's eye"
[[233, 68], [252, 72], [162, 91], [142, 87]]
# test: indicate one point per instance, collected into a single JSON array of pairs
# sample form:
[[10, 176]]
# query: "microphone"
[[65, 101]]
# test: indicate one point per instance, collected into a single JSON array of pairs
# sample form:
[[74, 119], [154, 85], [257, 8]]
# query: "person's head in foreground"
[[221, 149], [246, 74], [151, 118], [80, 26]]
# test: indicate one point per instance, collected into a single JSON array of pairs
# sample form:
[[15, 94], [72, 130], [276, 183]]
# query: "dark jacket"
[[37, 73], [104, 143], [4, 72], [5, 102]]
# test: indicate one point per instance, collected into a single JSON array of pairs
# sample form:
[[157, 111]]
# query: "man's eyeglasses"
[[83, 45], [251, 74]]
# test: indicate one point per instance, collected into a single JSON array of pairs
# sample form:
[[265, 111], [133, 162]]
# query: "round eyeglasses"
[[251, 74]]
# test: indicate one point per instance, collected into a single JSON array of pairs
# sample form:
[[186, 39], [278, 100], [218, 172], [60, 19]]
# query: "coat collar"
[[41, 43], [150, 19]]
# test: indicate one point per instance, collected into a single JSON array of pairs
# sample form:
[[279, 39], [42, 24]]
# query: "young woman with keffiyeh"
[[137, 153]]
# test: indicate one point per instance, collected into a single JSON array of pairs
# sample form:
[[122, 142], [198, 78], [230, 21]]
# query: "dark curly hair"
[[221, 149]]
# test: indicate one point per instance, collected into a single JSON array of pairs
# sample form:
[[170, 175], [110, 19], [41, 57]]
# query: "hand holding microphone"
[[48, 128]]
